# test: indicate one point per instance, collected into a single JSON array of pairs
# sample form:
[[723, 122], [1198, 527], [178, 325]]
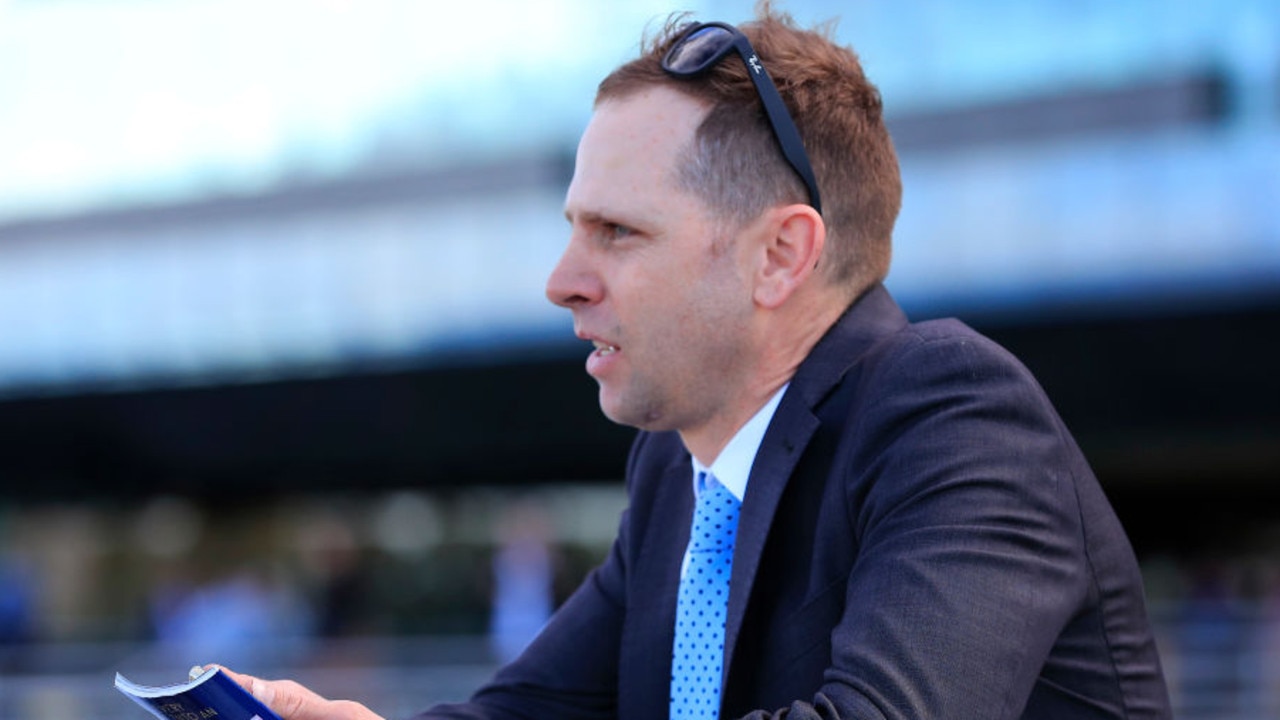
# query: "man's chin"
[[616, 412], [624, 411]]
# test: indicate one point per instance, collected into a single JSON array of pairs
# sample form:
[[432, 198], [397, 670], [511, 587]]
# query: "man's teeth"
[[605, 348]]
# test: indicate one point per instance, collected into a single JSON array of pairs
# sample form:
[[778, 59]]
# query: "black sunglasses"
[[704, 45]]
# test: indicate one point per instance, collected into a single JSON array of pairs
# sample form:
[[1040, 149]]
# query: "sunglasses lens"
[[697, 50]]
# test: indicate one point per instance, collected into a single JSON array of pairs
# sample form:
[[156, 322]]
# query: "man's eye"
[[615, 231]]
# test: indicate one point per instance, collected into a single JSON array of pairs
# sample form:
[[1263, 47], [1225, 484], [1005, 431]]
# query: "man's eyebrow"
[[590, 217]]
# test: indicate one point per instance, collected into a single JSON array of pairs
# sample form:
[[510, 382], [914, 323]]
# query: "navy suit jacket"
[[921, 538]]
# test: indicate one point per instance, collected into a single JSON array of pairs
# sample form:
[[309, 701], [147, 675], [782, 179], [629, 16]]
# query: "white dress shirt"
[[732, 467]]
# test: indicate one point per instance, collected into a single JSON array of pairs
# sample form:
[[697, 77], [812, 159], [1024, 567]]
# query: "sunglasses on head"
[[702, 46]]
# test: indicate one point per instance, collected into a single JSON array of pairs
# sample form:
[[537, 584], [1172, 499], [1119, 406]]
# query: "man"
[[917, 535]]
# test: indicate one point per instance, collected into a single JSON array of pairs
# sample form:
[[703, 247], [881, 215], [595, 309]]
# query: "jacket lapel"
[[788, 434], [873, 316]]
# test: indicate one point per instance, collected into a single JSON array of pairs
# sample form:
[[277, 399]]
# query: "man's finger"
[[264, 690], [292, 701]]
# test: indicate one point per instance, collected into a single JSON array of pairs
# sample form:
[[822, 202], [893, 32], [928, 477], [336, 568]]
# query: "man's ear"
[[790, 253]]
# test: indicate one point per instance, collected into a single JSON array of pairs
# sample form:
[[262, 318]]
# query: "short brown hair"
[[737, 167]]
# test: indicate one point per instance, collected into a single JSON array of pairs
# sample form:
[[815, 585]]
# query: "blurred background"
[[279, 387]]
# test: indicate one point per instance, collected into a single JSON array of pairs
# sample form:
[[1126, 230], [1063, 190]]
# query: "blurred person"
[[17, 600], [238, 616], [335, 575], [917, 533], [523, 581]]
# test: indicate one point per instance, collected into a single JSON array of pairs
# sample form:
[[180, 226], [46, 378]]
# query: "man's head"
[[736, 165], [646, 273], [695, 263]]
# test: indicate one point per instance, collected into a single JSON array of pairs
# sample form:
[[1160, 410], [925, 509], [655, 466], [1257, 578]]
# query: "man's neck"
[[707, 441], [732, 465], [784, 339]]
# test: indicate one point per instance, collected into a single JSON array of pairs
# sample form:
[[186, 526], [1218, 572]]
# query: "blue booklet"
[[210, 695]]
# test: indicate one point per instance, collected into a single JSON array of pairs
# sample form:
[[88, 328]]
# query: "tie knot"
[[715, 518]]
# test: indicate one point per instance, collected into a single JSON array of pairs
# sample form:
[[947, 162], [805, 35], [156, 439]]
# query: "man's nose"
[[574, 282]]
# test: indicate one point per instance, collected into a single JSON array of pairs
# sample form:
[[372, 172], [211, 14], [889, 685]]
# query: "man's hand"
[[292, 701]]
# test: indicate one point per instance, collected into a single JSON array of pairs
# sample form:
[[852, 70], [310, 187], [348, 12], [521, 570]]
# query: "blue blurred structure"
[[230, 200], [253, 252]]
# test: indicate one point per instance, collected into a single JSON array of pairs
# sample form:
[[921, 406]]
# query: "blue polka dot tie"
[[697, 656]]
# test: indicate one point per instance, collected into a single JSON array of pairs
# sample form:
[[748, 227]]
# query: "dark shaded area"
[[515, 423], [1179, 414]]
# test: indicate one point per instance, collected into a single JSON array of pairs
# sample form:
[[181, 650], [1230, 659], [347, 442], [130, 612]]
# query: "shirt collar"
[[732, 467]]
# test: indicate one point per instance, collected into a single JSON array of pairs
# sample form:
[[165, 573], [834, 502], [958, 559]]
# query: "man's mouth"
[[604, 348]]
